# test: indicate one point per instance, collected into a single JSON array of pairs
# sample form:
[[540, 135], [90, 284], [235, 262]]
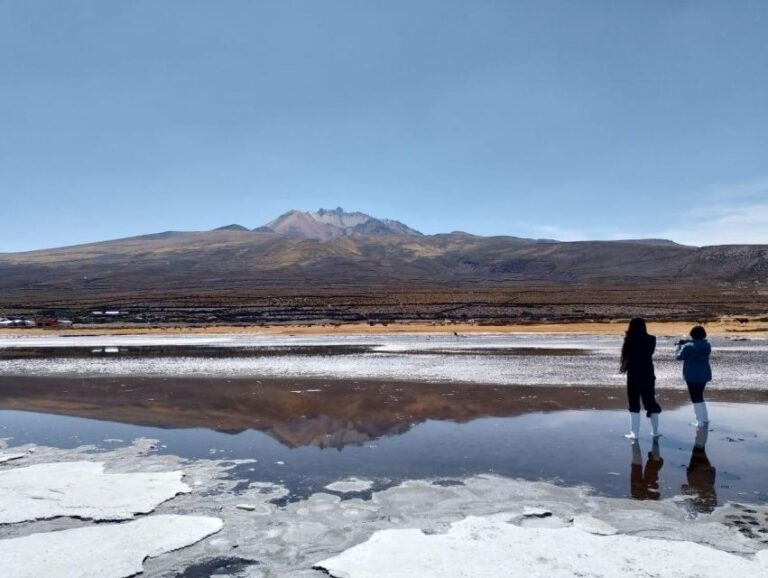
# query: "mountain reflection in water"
[[320, 413], [307, 434]]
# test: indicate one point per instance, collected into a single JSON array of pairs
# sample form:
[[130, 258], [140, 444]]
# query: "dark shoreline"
[[254, 351]]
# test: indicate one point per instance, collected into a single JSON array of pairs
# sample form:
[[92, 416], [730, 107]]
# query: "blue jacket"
[[695, 357]]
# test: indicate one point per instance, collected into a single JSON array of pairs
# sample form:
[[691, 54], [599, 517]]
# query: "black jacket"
[[638, 359]]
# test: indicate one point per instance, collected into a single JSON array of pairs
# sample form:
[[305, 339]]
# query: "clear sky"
[[539, 118]]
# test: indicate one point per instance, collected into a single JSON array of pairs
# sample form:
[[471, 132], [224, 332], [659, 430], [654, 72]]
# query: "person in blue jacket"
[[694, 353]]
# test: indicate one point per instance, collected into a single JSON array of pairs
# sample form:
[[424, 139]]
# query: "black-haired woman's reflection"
[[701, 476], [644, 484]]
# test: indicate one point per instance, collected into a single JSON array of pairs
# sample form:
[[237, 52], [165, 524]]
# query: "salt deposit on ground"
[[8, 457], [104, 551], [486, 358], [288, 540], [82, 489], [350, 485], [401, 342], [110, 340], [594, 526], [478, 547]]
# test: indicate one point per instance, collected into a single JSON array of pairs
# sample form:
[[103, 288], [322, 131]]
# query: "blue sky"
[[542, 118]]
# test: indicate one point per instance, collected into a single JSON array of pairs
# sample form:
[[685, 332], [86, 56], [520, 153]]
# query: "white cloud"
[[735, 214], [722, 225], [569, 234], [553, 232], [725, 214]]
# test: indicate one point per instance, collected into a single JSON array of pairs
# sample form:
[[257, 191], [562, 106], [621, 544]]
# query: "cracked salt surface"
[[478, 547], [82, 489], [104, 551], [8, 457], [289, 540], [350, 485]]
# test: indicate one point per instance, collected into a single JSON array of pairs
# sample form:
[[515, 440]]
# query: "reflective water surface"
[[311, 410], [306, 434]]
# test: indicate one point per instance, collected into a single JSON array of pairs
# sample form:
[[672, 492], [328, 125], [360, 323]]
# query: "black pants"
[[696, 390], [644, 390]]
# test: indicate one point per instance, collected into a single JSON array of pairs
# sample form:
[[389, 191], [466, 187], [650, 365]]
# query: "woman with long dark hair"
[[637, 363]]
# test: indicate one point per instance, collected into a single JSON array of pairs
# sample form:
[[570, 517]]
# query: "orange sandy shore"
[[721, 328]]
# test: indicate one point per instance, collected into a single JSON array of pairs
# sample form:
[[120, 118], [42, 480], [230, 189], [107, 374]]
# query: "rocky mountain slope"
[[332, 224], [335, 251]]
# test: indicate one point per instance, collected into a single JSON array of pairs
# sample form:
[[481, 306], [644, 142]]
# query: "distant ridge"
[[232, 227], [650, 242], [329, 224]]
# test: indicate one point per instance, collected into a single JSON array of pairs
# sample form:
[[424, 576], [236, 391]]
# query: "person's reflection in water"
[[701, 476], [644, 485]]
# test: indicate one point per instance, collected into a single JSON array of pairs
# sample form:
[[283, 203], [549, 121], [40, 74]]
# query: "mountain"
[[341, 266], [232, 227], [332, 224]]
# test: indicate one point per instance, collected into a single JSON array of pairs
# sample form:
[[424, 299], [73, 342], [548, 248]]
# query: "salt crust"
[[290, 539], [350, 485], [529, 511], [82, 489], [8, 457], [594, 526], [103, 551], [396, 357], [490, 546]]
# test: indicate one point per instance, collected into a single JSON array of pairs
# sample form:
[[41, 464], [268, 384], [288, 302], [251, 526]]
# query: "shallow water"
[[314, 410], [572, 447]]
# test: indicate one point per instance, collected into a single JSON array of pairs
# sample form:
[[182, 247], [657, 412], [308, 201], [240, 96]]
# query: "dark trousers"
[[644, 390], [696, 391]]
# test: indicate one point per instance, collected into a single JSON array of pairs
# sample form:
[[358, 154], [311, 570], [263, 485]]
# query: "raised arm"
[[682, 350]]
